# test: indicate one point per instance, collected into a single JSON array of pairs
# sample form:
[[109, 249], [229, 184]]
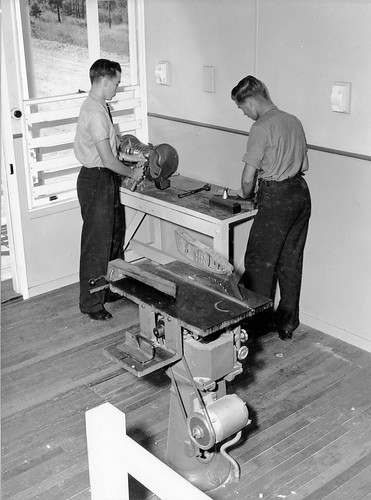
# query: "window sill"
[[53, 208]]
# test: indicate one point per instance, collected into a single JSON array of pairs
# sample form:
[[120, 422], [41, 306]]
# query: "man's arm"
[[305, 165], [248, 181], [109, 161]]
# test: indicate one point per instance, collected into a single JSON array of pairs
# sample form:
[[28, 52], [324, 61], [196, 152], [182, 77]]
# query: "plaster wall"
[[299, 48]]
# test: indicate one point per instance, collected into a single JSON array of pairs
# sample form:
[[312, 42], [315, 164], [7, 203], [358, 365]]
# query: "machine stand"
[[191, 326]]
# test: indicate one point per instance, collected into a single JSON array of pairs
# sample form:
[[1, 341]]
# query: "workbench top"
[[197, 203]]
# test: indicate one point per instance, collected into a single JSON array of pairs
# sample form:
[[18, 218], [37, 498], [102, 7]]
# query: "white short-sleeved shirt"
[[94, 125], [276, 146]]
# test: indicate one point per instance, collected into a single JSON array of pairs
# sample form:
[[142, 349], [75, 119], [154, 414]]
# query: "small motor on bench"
[[162, 160]]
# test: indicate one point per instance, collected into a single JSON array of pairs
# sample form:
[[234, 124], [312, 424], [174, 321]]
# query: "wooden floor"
[[309, 400]]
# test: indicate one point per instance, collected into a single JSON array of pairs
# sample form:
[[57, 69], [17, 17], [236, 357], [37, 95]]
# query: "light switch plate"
[[209, 78], [162, 73], [340, 97]]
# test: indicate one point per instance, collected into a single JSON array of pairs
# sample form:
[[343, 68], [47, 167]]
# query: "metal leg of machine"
[[203, 419], [191, 328]]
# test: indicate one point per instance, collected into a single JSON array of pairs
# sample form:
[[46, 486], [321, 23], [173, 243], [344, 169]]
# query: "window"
[[58, 44], [57, 58]]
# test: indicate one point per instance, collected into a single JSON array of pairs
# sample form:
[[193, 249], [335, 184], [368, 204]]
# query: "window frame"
[[129, 101]]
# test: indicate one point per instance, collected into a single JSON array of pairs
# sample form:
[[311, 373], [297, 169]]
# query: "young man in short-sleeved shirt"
[[276, 157], [95, 147]]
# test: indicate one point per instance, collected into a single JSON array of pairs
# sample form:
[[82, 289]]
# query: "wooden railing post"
[[113, 455], [105, 428]]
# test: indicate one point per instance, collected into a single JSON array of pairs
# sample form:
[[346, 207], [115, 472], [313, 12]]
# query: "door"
[[47, 51]]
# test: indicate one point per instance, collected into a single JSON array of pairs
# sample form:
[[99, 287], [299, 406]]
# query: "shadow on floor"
[[7, 292]]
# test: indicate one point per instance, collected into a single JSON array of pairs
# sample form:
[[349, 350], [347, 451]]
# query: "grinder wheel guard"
[[162, 160]]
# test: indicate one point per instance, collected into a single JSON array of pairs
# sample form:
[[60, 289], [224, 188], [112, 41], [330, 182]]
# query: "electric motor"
[[227, 416]]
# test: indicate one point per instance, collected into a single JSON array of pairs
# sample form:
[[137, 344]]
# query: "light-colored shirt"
[[276, 146], [93, 125]]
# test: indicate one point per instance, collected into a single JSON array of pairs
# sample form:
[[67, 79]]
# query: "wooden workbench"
[[193, 213]]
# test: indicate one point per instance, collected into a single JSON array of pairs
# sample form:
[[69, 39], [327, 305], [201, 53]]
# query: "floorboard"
[[309, 401], [7, 292]]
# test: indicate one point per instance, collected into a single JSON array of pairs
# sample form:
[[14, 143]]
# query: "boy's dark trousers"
[[275, 247], [103, 230]]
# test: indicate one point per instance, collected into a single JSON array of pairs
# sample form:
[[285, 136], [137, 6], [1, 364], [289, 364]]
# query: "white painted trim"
[[52, 208], [334, 331], [112, 455], [56, 164], [121, 95], [53, 285], [18, 7], [133, 45], [105, 426], [92, 23], [63, 188], [11, 182], [120, 104], [68, 137], [141, 61]]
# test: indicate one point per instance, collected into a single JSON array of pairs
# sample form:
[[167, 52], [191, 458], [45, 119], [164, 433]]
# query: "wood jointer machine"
[[190, 318]]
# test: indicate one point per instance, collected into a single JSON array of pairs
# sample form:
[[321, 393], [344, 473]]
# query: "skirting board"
[[52, 285], [336, 332]]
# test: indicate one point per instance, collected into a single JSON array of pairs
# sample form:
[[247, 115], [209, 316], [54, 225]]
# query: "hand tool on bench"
[[206, 187]]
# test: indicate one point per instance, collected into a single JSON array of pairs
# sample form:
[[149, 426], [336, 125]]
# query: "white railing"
[[50, 131], [113, 455]]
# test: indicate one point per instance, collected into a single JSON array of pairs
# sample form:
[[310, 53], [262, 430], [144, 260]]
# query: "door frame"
[[14, 138]]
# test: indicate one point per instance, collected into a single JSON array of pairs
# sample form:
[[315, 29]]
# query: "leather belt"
[[270, 181]]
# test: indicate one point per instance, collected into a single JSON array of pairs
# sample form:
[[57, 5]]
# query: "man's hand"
[[114, 164], [248, 181], [240, 193], [251, 196], [138, 171]]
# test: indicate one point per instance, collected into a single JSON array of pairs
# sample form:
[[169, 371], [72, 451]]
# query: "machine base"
[[206, 475]]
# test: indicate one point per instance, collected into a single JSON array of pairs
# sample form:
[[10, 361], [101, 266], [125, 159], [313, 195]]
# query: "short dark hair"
[[102, 68], [249, 87]]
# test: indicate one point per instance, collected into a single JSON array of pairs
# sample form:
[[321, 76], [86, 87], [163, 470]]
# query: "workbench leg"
[[222, 241], [133, 227], [157, 232]]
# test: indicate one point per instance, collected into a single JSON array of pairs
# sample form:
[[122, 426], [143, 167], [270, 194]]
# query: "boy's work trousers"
[[276, 243], [102, 231]]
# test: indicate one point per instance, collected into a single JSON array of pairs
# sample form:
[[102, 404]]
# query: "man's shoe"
[[101, 315], [285, 334], [259, 325], [112, 296]]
